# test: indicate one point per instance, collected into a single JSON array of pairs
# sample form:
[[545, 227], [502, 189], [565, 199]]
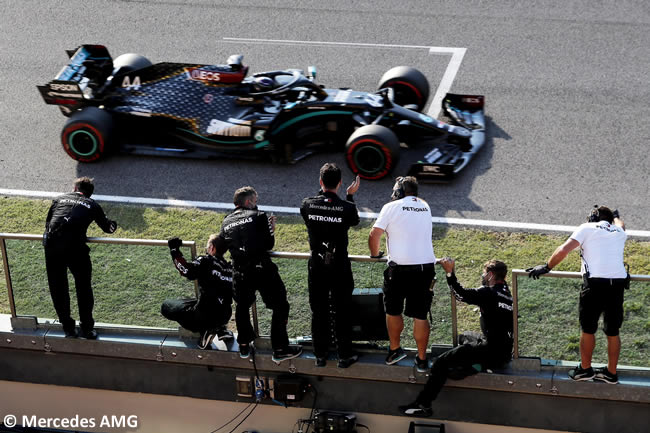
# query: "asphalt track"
[[566, 87]]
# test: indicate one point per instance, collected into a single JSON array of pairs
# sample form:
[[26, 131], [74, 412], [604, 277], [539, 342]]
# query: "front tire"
[[409, 84], [86, 136], [372, 152]]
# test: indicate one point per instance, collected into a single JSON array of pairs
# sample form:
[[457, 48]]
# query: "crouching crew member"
[[249, 234], [490, 350], [601, 241], [210, 312], [330, 280], [65, 248]]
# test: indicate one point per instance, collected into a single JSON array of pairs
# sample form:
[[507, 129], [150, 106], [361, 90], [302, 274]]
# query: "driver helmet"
[[262, 84]]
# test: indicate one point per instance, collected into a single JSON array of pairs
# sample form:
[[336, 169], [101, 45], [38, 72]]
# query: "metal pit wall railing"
[[39, 238], [192, 246], [553, 274]]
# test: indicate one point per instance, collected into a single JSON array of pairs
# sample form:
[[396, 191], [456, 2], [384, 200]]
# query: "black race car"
[[131, 105]]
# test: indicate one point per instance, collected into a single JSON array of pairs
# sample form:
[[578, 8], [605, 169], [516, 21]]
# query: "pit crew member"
[[249, 234], [210, 312], [406, 220], [65, 246], [601, 241], [328, 219], [491, 349]]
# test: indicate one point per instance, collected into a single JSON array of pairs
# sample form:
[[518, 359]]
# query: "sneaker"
[[346, 362], [416, 409], [71, 334], [421, 365], [287, 353], [395, 356], [321, 362], [604, 375], [206, 339], [224, 333], [89, 335], [581, 374], [244, 350]]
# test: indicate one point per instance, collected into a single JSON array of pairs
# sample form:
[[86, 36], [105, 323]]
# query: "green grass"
[[130, 282]]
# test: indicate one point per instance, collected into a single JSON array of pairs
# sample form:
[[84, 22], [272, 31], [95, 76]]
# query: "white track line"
[[341, 44], [457, 55], [296, 211]]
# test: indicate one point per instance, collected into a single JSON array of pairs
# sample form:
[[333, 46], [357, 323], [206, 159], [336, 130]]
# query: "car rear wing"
[[87, 69], [444, 160]]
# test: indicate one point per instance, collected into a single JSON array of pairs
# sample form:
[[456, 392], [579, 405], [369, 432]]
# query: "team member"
[[601, 241], [65, 248], [490, 350], [249, 234], [210, 313], [409, 276], [328, 219]]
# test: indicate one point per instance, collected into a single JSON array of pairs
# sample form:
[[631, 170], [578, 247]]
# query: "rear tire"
[[372, 152], [409, 84], [130, 62], [86, 136]]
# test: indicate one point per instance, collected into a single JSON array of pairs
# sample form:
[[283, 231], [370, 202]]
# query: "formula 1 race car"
[[132, 105]]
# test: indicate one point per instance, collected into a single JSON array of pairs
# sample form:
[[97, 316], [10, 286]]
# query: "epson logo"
[[64, 87]]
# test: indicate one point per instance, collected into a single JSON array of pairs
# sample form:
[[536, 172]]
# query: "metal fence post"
[[454, 321], [515, 317], [10, 289], [196, 282], [256, 325]]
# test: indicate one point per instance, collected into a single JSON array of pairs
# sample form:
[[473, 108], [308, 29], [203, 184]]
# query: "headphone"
[[398, 189], [594, 215]]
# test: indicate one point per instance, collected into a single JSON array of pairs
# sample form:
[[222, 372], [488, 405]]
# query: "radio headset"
[[398, 189]]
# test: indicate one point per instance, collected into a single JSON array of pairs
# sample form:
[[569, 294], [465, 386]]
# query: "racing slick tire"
[[130, 62], [86, 136], [409, 84], [372, 151]]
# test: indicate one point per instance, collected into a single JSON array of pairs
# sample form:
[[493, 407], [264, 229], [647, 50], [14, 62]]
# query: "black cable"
[[245, 418], [236, 416], [313, 407], [311, 425], [252, 349], [364, 426]]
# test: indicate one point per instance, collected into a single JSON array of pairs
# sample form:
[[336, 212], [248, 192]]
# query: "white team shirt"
[[602, 247], [407, 223]]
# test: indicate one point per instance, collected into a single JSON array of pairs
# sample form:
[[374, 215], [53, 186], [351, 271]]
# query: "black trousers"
[[265, 279], [186, 313], [472, 349], [330, 286], [57, 262]]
